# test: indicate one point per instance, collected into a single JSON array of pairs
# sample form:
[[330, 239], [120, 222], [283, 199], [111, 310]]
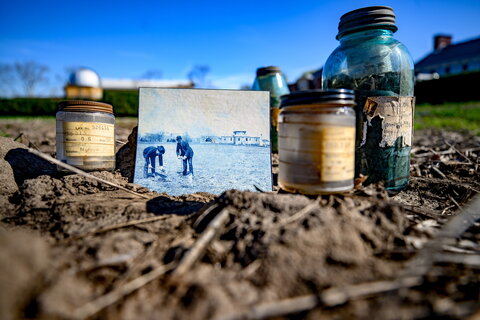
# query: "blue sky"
[[124, 39]]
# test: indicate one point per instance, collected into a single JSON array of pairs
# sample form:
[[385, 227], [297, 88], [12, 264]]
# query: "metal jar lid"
[[341, 97], [377, 17], [84, 106], [267, 70]]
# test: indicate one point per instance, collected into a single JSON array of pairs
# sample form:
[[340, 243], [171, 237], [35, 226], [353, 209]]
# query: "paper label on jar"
[[274, 112], [88, 139], [337, 150], [396, 117]]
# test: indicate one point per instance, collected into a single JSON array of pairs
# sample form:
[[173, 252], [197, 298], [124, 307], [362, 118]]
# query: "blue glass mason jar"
[[271, 79], [380, 70]]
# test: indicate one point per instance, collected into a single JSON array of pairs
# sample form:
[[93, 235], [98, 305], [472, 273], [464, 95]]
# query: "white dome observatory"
[[84, 83], [84, 77]]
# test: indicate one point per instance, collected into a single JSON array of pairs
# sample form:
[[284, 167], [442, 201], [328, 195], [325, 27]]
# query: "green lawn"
[[23, 117], [452, 116]]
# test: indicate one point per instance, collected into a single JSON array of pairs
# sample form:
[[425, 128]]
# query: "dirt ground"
[[74, 248]]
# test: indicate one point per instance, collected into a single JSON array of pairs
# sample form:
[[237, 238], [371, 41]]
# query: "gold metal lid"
[[318, 98], [84, 106]]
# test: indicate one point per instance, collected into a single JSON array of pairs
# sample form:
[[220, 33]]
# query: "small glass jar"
[[86, 135], [380, 70], [271, 79], [316, 141]]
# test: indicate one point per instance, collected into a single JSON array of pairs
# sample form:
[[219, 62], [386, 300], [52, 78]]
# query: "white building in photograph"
[[240, 138]]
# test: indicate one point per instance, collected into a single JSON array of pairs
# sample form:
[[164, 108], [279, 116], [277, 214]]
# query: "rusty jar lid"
[[263, 71], [341, 97], [84, 106], [376, 17]]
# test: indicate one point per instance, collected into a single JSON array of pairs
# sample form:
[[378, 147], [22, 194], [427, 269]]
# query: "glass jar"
[[271, 79], [380, 70], [317, 141], [86, 135]]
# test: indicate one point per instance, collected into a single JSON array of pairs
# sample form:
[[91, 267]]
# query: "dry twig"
[[204, 214], [185, 264], [448, 181], [458, 151], [431, 153], [431, 252], [329, 298], [137, 264], [120, 142], [97, 305], [446, 209], [471, 260], [118, 226], [421, 211], [18, 137], [439, 172], [417, 169], [455, 202], [30, 143], [300, 214], [420, 195], [201, 244], [83, 173]]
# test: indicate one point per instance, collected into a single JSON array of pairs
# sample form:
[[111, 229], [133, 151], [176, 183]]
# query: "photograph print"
[[193, 140]]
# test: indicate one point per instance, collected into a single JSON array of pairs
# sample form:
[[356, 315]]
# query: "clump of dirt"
[[125, 157], [24, 259], [17, 165], [340, 235], [64, 206]]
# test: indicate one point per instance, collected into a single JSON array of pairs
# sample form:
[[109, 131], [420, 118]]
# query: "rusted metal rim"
[[84, 106]]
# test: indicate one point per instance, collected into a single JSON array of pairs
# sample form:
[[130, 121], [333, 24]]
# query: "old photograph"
[[193, 140]]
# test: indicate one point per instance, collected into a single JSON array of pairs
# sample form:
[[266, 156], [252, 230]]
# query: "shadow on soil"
[[164, 205], [28, 166]]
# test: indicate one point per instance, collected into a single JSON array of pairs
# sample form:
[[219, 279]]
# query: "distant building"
[[240, 137], [134, 84], [84, 83], [308, 80], [449, 59], [225, 140], [445, 59]]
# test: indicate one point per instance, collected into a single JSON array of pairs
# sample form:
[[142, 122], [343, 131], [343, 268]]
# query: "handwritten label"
[[336, 160], [396, 114], [89, 139]]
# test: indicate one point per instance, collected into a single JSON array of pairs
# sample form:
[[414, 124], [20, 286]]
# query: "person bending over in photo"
[[149, 154], [187, 157]]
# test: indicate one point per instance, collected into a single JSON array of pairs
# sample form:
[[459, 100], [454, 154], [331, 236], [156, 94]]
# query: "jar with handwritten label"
[[316, 141], [86, 135], [380, 70]]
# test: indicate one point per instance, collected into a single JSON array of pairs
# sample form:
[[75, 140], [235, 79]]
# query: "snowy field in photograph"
[[216, 168]]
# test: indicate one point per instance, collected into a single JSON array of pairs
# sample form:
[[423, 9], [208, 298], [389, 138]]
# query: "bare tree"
[[30, 74], [198, 75], [64, 77], [152, 74], [7, 80]]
